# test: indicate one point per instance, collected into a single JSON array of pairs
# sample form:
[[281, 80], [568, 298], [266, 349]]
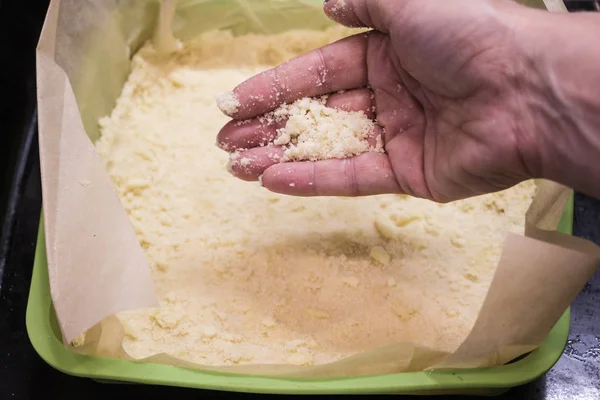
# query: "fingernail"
[[260, 182]]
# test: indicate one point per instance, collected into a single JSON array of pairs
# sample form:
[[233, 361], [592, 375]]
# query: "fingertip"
[[228, 103], [289, 179], [340, 12], [249, 99], [255, 96], [248, 133], [249, 165], [224, 136], [376, 14]]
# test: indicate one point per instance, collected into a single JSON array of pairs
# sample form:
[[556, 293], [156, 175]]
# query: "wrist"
[[562, 100]]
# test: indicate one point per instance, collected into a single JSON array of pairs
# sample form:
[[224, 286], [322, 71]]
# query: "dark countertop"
[[23, 375]]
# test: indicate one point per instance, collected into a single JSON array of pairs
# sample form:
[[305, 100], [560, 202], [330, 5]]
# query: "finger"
[[338, 66], [363, 175], [248, 133], [376, 14], [248, 165], [354, 100], [262, 130]]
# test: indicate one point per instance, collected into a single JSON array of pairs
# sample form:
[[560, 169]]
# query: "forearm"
[[566, 61]]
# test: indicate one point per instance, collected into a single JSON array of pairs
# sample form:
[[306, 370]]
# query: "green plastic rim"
[[44, 334]]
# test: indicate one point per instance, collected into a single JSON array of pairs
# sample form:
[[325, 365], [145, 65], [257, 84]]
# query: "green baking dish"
[[45, 336]]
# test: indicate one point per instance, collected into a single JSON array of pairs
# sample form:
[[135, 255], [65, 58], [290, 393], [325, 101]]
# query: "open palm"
[[442, 78]]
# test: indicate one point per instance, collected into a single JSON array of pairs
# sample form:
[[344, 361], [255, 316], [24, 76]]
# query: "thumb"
[[376, 14]]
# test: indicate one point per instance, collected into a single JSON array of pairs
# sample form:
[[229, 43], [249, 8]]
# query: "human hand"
[[449, 91]]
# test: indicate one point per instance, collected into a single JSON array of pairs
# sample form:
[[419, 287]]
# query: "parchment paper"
[[97, 267]]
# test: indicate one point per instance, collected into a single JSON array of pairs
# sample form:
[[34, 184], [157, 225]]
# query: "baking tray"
[[45, 337]]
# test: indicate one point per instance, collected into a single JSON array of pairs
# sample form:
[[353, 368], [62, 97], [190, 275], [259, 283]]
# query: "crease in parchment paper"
[[97, 267], [163, 40], [90, 241]]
